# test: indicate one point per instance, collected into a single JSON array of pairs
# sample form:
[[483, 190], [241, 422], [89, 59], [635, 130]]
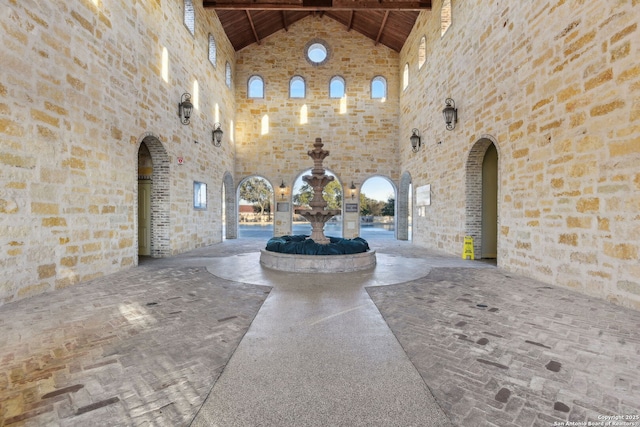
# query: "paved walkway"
[[210, 338]]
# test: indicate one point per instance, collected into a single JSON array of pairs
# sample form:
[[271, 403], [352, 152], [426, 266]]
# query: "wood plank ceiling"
[[386, 22]]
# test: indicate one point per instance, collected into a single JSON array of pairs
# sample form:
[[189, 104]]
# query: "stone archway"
[[230, 208], [403, 208], [159, 195], [482, 171], [380, 190]]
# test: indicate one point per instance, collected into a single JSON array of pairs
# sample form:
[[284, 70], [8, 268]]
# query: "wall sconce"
[[185, 107], [353, 190], [415, 140], [216, 134], [450, 113], [282, 188]]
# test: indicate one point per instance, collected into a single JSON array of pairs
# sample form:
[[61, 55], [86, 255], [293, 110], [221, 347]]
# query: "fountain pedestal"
[[318, 220]]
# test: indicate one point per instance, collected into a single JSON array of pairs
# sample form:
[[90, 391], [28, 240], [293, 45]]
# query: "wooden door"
[[144, 217]]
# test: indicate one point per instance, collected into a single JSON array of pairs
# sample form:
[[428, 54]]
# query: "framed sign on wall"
[[423, 195], [351, 207], [199, 195]]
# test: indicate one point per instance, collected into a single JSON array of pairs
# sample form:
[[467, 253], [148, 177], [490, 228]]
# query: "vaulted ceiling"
[[386, 22]]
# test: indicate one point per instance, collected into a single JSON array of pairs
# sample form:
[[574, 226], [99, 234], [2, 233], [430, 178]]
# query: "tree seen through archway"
[[257, 192], [332, 194]]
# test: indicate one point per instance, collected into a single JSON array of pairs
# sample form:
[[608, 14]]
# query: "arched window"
[[445, 17], [336, 87], [422, 52], [255, 87], [405, 76], [212, 50], [297, 87], [227, 74], [189, 16], [378, 87]]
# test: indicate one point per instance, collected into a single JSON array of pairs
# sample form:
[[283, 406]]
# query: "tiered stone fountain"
[[317, 253], [318, 215]]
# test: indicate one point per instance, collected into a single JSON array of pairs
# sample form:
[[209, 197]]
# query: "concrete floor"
[[210, 338]]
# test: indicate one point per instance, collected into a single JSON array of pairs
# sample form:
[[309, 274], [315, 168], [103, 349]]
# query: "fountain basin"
[[301, 255], [297, 263]]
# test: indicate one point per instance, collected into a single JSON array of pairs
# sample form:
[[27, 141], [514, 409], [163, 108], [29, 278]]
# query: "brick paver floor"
[[145, 346], [140, 347], [497, 349]]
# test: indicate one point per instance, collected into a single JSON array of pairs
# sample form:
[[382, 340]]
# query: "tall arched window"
[[227, 74], [422, 52], [212, 50], [297, 87], [445, 17], [336, 87], [189, 16], [255, 87], [405, 76], [378, 87]]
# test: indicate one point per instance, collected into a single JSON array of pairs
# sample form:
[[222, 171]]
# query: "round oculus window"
[[317, 52]]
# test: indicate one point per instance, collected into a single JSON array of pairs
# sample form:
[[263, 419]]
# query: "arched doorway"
[[302, 193], [229, 211], [378, 208], [255, 208], [153, 198], [489, 248], [482, 197], [405, 202]]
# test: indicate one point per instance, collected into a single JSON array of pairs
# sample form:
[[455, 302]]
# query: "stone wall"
[[556, 86], [360, 138], [82, 83]]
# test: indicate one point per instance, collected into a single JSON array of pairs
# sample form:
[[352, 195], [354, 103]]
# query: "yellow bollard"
[[467, 252]]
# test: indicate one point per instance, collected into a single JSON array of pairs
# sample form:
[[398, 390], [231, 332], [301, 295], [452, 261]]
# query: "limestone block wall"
[[359, 133], [82, 84], [556, 87]]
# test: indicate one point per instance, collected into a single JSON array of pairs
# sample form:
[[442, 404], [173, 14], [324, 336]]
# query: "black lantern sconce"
[[450, 113], [353, 190], [282, 190], [216, 134], [185, 107], [415, 140]]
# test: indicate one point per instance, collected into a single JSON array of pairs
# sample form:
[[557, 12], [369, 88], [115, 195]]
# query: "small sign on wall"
[[423, 195], [351, 207], [282, 207], [199, 195]]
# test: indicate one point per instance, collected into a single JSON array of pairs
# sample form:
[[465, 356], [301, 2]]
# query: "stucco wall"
[[556, 86], [81, 85]]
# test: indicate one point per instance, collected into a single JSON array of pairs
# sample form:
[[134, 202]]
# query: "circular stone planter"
[[318, 263]]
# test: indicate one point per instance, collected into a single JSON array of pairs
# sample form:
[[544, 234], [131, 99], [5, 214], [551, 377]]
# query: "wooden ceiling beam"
[[408, 5], [384, 22], [285, 25], [350, 21], [253, 27]]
